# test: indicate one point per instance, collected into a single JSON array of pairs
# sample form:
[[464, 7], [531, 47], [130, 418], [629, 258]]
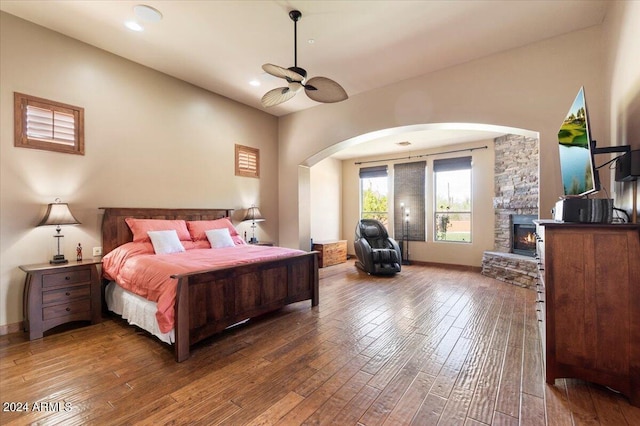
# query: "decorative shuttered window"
[[48, 125], [247, 161]]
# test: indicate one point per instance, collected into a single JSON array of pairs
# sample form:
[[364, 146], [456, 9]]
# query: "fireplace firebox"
[[524, 235]]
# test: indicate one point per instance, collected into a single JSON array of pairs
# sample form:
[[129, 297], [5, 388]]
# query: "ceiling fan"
[[320, 89]]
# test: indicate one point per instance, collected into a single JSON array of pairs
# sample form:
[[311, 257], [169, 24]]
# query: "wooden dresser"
[[589, 303], [58, 294], [331, 252]]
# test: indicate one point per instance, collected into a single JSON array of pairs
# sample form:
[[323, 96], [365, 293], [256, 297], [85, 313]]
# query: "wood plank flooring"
[[428, 346]]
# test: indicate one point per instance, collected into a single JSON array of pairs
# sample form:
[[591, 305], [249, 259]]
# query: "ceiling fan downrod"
[[295, 16]]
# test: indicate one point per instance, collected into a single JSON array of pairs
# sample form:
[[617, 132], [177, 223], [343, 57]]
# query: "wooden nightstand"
[[57, 294], [263, 243]]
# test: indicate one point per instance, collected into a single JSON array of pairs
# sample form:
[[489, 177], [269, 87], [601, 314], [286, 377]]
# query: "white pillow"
[[165, 242], [219, 238]]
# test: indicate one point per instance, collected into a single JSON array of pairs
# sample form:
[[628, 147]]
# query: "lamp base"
[[58, 259], [253, 240]]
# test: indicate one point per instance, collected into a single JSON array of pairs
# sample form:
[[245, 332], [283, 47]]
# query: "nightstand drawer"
[[68, 277], [66, 294], [66, 309]]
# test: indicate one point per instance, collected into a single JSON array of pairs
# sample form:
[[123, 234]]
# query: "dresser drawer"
[[64, 295], [66, 309], [68, 277]]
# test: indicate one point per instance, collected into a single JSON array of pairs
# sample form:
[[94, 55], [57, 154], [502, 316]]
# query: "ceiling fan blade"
[[285, 73], [277, 96], [322, 89]]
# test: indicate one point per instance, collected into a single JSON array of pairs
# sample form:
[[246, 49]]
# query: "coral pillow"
[[198, 228], [166, 242], [140, 227]]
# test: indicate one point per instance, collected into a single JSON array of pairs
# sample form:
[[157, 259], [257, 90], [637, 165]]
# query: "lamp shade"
[[58, 214], [253, 214]]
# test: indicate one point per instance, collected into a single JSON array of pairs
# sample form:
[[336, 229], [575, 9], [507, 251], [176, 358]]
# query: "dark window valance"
[[451, 164], [373, 172]]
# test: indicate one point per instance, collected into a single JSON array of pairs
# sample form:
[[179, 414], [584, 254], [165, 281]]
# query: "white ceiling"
[[363, 45]]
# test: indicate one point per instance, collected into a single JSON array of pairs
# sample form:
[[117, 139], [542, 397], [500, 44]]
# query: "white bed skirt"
[[136, 310]]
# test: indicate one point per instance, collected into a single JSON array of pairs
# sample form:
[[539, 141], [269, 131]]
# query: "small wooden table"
[[331, 252], [58, 294]]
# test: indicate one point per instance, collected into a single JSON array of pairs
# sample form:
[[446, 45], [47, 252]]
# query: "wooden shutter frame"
[[255, 153], [22, 140]]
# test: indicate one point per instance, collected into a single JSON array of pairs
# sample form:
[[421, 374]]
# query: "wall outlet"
[[97, 251]]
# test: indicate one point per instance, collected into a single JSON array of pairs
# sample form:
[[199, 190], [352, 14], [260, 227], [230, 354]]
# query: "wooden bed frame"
[[209, 301]]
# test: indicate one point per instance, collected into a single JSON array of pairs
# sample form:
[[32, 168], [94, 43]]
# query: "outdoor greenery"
[[375, 205]]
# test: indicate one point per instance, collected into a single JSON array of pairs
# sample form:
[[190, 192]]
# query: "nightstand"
[[58, 294], [263, 243]]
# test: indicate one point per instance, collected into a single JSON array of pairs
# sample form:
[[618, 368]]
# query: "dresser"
[[58, 294], [588, 303]]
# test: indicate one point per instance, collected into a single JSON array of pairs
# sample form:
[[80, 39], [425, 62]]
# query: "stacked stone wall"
[[516, 191], [511, 268]]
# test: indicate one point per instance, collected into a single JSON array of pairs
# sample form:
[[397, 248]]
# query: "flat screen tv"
[[579, 176]]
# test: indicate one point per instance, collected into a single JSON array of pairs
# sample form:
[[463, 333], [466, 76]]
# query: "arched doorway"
[[325, 205]]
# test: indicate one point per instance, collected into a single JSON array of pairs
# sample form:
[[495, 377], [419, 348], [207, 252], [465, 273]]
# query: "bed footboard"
[[207, 302]]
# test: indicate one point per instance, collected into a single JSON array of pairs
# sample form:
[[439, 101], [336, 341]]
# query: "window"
[[48, 125], [374, 191], [247, 161], [452, 217]]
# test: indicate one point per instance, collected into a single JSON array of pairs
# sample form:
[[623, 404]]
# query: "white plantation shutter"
[[48, 125], [247, 161]]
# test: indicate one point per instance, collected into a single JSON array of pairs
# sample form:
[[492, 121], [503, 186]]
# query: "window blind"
[[373, 172], [451, 164], [409, 189]]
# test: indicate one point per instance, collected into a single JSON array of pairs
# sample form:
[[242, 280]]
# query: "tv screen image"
[[574, 142]]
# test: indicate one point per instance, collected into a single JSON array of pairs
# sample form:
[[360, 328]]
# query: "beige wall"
[[430, 251], [622, 65], [527, 88], [151, 141], [326, 200]]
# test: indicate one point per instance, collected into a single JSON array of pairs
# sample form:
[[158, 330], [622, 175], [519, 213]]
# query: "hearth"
[[523, 236]]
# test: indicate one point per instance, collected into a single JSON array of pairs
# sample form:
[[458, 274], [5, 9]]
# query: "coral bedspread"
[[136, 267]]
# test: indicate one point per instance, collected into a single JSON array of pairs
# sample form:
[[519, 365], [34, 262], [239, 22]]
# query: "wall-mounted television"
[[579, 176]]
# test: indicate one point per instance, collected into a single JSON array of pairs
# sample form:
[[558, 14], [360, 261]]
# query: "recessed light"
[[254, 83], [311, 41], [147, 13], [134, 26]]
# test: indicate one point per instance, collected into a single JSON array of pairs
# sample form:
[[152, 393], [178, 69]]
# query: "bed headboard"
[[116, 232]]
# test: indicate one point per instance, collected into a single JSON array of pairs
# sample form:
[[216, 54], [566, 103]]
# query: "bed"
[[211, 299]]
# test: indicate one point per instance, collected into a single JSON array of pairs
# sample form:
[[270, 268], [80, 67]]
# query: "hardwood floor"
[[429, 346]]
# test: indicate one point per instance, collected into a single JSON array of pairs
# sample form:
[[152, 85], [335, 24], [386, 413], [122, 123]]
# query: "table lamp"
[[254, 215], [58, 214]]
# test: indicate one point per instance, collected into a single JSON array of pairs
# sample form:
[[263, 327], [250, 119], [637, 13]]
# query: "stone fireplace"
[[515, 206], [523, 240]]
